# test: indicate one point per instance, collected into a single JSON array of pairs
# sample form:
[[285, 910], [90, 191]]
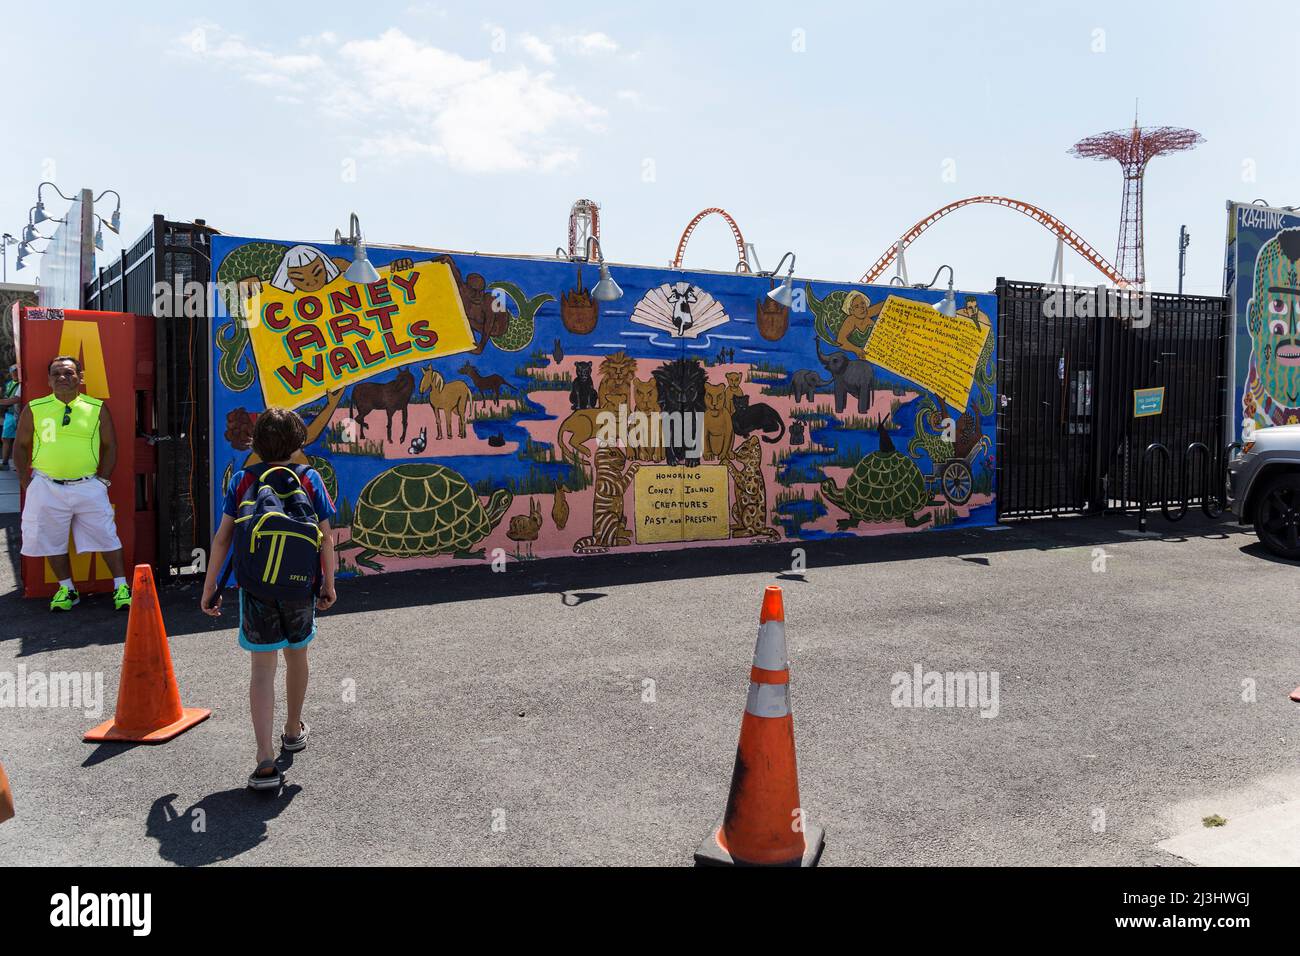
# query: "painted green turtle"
[[885, 485], [326, 472], [422, 509], [323, 468]]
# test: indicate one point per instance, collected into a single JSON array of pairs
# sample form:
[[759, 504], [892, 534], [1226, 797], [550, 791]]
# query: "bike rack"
[[1212, 502], [1142, 485]]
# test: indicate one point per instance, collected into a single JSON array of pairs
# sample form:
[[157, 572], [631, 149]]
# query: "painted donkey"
[[391, 397]]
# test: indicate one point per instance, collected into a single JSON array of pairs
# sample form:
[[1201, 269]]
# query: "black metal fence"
[[1090, 380], [175, 253]]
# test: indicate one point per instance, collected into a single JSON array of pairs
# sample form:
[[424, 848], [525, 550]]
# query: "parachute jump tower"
[[1133, 149]]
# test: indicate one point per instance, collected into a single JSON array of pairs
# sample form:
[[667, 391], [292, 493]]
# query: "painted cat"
[[746, 418], [733, 390], [647, 403], [617, 373], [612, 394], [583, 392], [681, 392], [749, 493], [608, 519], [718, 430], [560, 507]]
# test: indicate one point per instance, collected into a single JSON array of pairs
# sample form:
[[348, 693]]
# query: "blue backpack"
[[276, 552]]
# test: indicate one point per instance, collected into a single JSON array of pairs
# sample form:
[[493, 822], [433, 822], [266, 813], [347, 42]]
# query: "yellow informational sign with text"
[[311, 343], [677, 503], [916, 341]]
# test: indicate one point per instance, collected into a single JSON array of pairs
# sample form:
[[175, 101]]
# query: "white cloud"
[[590, 43], [409, 99], [539, 50]]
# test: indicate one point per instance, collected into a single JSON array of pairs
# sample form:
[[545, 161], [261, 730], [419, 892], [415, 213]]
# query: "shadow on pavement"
[[578, 580], [219, 827], [1257, 550], [107, 751]]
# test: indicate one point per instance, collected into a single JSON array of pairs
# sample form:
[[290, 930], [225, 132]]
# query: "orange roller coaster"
[[742, 264], [1045, 219]]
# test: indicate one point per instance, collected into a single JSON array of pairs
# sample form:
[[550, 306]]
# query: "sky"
[[825, 129]]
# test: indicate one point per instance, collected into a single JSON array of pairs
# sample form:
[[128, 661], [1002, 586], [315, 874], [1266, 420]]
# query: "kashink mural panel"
[[1262, 280], [468, 403]]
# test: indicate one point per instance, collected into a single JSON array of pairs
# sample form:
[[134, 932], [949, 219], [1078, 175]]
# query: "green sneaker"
[[121, 598], [65, 599]]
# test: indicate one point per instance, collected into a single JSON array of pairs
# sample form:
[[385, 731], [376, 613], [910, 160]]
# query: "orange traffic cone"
[[149, 707], [764, 823], [6, 797]]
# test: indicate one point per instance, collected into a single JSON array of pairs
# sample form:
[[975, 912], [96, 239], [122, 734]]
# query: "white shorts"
[[52, 511]]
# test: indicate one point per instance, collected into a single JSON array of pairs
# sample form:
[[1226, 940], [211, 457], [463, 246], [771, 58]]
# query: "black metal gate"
[[1089, 380], [167, 252]]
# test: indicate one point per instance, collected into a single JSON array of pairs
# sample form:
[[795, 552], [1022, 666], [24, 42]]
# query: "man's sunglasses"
[[67, 414]]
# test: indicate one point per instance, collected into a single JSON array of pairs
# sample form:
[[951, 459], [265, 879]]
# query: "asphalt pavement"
[[585, 711]]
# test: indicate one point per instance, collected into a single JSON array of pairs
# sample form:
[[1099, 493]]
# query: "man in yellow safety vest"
[[65, 451]]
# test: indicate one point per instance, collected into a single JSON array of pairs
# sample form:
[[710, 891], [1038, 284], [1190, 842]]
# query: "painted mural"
[[1262, 279], [468, 403]]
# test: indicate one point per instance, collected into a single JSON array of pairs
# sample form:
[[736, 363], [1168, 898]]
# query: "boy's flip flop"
[[294, 744], [271, 781]]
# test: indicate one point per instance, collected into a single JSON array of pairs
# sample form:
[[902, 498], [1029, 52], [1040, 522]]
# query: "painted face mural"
[[304, 269], [1274, 319]]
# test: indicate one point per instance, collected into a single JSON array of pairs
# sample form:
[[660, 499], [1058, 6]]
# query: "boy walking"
[[277, 515]]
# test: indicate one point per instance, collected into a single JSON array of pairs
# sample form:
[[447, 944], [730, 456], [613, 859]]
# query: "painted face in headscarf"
[[304, 269], [1274, 315], [855, 304]]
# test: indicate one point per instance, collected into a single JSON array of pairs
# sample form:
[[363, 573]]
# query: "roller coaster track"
[[1040, 216], [583, 209], [742, 264]]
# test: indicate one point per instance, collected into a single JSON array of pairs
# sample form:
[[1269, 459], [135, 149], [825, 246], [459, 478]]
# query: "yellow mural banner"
[[916, 341], [674, 503], [309, 343]]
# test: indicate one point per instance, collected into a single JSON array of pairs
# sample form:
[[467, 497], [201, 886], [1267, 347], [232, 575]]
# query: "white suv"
[[1264, 488]]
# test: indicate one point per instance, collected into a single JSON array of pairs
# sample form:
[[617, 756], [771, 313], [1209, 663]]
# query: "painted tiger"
[[608, 519]]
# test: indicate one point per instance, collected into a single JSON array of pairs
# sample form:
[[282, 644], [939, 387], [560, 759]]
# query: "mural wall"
[[466, 403], [1262, 280]]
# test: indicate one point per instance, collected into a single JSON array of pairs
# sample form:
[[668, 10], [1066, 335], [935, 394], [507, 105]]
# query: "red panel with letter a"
[[105, 342]]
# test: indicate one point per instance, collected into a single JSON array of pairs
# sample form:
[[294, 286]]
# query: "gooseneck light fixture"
[[37, 213], [99, 231], [783, 295], [24, 250], [6, 240], [606, 290], [114, 221], [948, 305], [361, 271]]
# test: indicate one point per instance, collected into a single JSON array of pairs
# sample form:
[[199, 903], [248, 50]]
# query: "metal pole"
[[1184, 239]]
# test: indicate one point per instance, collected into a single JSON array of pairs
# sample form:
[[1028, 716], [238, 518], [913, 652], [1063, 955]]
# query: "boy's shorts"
[[274, 625]]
